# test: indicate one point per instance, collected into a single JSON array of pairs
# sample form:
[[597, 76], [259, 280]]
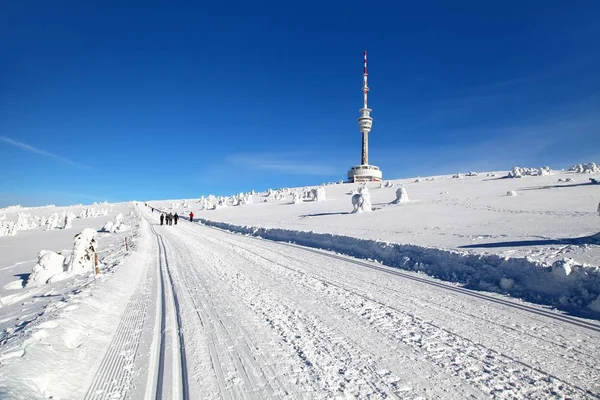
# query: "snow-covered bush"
[[84, 247], [389, 184], [472, 173], [54, 221], [49, 264], [115, 225], [220, 204], [362, 201], [93, 212], [25, 222], [401, 196], [8, 228], [456, 176], [297, 197], [585, 168], [318, 194], [519, 172], [68, 221]]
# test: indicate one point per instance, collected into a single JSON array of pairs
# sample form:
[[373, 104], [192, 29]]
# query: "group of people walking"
[[169, 219]]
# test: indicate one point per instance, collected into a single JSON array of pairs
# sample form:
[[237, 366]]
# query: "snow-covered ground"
[[431, 307]]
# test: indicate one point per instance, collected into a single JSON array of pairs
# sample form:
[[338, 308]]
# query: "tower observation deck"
[[365, 172]]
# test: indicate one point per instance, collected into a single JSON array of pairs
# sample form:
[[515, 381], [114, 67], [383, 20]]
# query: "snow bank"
[[585, 168], [564, 284], [49, 264]]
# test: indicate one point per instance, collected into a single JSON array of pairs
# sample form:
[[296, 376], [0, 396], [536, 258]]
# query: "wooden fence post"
[[96, 269]]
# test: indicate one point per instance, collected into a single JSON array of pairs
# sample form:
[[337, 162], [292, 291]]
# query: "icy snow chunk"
[[562, 268], [511, 193], [49, 264], [507, 283], [595, 305]]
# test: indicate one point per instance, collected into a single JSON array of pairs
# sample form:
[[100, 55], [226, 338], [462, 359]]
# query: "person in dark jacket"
[[170, 218], [175, 218], [191, 217], [162, 218]]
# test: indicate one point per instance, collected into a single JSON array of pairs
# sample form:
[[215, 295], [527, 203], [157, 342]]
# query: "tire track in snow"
[[476, 352]]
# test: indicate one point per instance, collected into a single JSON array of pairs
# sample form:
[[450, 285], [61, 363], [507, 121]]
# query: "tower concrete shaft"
[[365, 122]]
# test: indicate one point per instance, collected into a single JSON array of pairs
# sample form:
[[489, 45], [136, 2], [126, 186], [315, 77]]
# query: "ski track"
[[239, 317]]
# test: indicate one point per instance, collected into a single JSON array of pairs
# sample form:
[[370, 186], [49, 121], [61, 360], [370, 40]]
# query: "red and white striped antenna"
[[366, 73]]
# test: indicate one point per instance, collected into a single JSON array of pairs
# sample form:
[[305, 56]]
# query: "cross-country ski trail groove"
[[167, 378], [113, 377], [229, 343]]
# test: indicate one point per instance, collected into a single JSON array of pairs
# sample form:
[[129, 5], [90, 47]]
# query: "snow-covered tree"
[[401, 196], [362, 200]]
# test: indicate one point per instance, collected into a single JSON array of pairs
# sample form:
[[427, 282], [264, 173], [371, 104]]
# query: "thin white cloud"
[[283, 163], [45, 153]]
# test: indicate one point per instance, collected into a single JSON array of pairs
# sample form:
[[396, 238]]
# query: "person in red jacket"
[[191, 216]]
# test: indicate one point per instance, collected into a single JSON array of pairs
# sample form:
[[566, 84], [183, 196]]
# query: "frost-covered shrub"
[[318, 194], [93, 212], [84, 247], [25, 222], [115, 225], [456, 176], [362, 201], [401, 196], [8, 228], [519, 172], [49, 264], [585, 168], [472, 173], [297, 197]]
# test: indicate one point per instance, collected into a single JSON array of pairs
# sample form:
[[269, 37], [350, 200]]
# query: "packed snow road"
[[229, 316]]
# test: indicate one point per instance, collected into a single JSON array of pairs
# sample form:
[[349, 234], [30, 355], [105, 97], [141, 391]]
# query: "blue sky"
[[153, 100]]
